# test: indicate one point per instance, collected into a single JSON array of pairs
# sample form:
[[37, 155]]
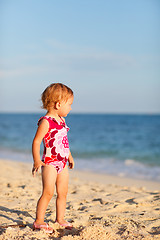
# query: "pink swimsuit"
[[56, 146]]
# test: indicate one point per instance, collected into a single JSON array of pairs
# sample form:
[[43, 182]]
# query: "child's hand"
[[71, 162], [36, 167]]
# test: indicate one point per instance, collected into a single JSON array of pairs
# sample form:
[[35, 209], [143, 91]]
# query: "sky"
[[107, 52]]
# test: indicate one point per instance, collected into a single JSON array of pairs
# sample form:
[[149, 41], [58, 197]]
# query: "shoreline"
[[103, 178], [99, 206], [116, 180]]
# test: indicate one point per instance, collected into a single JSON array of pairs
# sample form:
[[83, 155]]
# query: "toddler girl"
[[52, 129]]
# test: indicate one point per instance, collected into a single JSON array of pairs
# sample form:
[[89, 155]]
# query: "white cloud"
[[24, 71], [83, 61]]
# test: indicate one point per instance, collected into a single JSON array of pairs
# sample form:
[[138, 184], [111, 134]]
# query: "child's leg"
[[62, 189], [49, 175]]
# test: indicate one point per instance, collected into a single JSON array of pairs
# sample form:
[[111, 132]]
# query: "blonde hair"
[[54, 93]]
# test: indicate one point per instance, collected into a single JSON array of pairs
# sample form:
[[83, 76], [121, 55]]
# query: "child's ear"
[[58, 104]]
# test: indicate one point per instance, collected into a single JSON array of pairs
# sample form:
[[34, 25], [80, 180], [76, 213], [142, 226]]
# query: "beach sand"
[[99, 206]]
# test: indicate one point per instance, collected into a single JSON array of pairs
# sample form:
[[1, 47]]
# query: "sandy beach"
[[99, 206]]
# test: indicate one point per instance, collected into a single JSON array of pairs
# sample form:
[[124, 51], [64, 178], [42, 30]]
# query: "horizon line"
[[87, 113]]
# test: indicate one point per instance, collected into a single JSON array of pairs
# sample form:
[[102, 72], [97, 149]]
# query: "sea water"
[[123, 145]]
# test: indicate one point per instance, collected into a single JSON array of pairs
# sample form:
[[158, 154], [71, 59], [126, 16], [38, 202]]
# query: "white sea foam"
[[127, 168], [129, 162]]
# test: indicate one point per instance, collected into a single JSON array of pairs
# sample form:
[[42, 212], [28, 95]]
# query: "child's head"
[[56, 92]]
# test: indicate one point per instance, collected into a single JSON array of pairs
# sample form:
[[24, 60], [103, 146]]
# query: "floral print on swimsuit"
[[56, 146]]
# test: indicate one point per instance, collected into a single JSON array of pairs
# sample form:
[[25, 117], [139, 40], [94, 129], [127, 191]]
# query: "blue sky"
[[108, 52]]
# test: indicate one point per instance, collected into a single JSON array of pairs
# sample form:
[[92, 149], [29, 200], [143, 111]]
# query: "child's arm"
[[70, 161], [41, 132]]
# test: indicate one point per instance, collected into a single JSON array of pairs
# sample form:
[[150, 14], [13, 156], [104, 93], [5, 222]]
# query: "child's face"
[[65, 107]]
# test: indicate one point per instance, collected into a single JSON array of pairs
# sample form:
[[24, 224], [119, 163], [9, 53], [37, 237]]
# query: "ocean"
[[117, 144]]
